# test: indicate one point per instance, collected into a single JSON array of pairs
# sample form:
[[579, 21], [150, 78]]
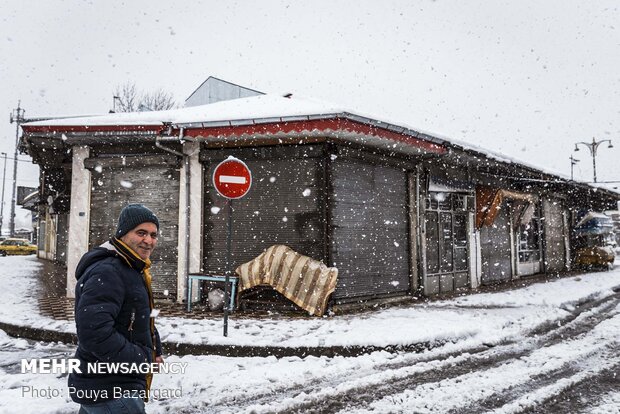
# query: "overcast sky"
[[527, 79]]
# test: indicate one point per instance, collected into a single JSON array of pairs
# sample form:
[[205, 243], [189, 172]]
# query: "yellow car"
[[17, 246]]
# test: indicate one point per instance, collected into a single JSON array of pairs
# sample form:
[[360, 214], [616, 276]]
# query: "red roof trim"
[[333, 124], [57, 129], [337, 124]]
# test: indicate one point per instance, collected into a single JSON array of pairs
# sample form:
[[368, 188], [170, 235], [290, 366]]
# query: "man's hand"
[[158, 360]]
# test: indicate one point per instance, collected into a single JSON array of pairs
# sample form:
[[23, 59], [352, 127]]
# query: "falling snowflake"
[[306, 192], [272, 179], [126, 184], [215, 210]]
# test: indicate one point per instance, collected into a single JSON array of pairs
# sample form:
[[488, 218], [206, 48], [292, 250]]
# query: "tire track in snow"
[[360, 388], [535, 402], [590, 354], [586, 396]]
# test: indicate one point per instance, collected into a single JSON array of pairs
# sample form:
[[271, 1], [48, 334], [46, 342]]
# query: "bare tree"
[[158, 100], [127, 98]]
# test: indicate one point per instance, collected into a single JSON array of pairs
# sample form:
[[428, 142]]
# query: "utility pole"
[[17, 116], [573, 161], [2, 199], [592, 146]]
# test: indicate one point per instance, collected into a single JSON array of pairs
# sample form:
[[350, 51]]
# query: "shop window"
[[530, 239], [432, 241], [460, 241], [446, 233]]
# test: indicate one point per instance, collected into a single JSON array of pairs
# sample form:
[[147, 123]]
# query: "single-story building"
[[399, 212]]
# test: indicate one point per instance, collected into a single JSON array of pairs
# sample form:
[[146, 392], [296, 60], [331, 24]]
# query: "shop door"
[[495, 249]]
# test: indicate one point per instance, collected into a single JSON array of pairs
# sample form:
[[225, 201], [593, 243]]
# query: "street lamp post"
[[592, 146], [2, 199], [573, 161]]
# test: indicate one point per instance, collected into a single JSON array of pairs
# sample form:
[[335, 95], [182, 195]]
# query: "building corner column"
[[79, 215], [193, 263]]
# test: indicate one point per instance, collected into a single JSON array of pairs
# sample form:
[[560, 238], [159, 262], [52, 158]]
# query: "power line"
[[19, 160]]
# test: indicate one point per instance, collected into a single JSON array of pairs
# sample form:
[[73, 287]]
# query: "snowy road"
[[549, 347], [571, 366]]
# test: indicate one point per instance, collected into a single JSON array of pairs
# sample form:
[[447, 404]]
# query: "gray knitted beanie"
[[132, 216]]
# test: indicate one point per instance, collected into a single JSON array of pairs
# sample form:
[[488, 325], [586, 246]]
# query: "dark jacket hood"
[[95, 255]]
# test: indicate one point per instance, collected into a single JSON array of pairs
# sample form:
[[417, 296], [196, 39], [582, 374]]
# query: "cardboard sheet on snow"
[[304, 281]]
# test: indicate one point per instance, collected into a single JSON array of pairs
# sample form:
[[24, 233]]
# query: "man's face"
[[142, 239]]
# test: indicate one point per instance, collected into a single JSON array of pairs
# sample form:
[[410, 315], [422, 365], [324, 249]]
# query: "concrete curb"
[[172, 348]]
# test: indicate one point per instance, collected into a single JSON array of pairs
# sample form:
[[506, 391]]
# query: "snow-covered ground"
[[504, 323], [483, 318]]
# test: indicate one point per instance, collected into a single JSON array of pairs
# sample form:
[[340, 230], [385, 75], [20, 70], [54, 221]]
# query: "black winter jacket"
[[112, 316]]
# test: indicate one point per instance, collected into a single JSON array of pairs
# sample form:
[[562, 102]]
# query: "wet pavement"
[[53, 302]]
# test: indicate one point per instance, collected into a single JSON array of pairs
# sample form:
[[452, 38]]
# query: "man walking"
[[113, 318]]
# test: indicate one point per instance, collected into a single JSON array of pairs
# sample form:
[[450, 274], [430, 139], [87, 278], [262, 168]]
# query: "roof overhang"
[[265, 131]]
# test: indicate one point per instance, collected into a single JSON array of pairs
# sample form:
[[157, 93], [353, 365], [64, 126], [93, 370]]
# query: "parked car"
[[16, 246]]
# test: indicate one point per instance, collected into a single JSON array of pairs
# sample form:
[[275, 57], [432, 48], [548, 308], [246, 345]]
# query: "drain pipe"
[[158, 144]]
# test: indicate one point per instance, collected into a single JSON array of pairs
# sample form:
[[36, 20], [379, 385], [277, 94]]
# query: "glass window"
[[446, 232], [447, 243], [529, 239], [432, 242], [459, 202], [460, 241]]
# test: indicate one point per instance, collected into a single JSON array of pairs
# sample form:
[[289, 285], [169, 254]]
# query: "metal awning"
[[489, 201]]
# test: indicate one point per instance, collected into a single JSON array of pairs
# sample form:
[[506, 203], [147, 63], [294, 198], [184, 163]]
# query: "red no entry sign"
[[232, 178]]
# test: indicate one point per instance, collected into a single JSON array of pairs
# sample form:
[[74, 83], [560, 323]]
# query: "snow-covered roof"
[[255, 107], [264, 109]]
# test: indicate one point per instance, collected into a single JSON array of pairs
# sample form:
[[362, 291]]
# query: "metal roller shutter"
[[154, 184], [282, 207], [495, 249], [369, 229], [555, 250]]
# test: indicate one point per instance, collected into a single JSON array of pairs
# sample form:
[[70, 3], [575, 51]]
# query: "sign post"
[[232, 179]]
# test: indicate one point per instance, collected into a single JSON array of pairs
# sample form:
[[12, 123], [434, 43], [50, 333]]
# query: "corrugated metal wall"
[[284, 205], [369, 240], [62, 241], [555, 250], [149, 180]]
